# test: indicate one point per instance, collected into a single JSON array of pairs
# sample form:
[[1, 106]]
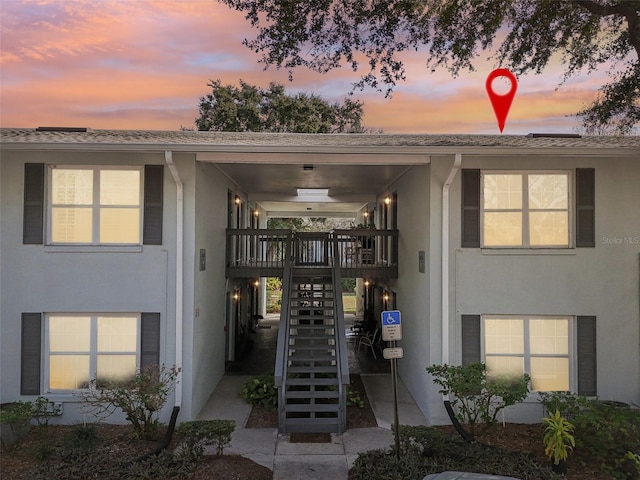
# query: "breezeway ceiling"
[[274, 186]]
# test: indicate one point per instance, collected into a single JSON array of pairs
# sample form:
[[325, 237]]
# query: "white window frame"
[[93, 344], [572, 350], [525, 210], [95, 206]]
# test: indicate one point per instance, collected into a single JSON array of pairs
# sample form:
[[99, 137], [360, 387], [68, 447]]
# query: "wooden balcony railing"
[[357, 252]]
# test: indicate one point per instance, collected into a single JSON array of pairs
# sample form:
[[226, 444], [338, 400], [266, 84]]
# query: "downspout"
[[166, 441], [445, 257], [445, 290], [168, 156]]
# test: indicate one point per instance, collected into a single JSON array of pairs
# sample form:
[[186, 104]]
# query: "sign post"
[[391, 332]]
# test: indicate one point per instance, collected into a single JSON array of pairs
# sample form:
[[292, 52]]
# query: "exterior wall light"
[[237, 200], [387, 200]]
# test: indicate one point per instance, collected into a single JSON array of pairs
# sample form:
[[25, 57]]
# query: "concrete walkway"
[[311, 461]]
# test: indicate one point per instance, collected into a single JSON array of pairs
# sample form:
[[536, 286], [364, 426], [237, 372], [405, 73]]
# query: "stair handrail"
[[280, 370], [341, 340]]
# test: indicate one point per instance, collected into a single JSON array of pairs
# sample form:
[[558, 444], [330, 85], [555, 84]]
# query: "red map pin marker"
[[501, 103]]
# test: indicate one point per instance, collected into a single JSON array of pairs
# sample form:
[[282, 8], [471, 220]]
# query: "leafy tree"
[[252, 109], [295, 224], [585, 34]]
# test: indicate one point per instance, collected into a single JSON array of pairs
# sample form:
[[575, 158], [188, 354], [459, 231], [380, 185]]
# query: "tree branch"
[[630, 10]]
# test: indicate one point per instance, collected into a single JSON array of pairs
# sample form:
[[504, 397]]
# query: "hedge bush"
[[605, 431], [261, 391], [425, 450]]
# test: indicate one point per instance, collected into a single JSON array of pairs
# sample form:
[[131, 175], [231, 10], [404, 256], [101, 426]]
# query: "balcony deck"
[[359, 253]]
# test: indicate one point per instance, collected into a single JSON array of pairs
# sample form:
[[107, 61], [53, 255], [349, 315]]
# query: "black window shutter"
[[587, 378], [30, 354], [470, 208], [470, 339], [153, 183], [32, 228], [150, 339], [585, 207]]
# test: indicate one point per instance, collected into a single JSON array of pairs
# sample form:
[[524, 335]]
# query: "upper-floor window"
[[95, 205], [525, 209]]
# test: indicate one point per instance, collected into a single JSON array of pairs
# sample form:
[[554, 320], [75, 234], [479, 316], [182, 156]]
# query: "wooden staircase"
[[312, 396]]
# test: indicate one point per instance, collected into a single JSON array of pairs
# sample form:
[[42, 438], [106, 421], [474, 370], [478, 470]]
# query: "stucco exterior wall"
[[48, 279], [601, 281], [208, 353], [413, 287]]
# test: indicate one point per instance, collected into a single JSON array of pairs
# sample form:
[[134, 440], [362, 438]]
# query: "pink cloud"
[[144, 64]]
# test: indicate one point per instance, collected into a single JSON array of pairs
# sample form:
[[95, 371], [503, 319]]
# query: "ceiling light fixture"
[[312, 192]]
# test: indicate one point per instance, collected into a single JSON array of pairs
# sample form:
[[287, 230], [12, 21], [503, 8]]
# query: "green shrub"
[[479, 398], [164, 466], [17, 411], [425, 450], [354, 399], [140, 398], [261, 391], [635, 460], [603, 431], [607, 433], [558, 437], [198, 434], [43, 410], [568, 404], [72, 464], [83, 436], [15, 418]]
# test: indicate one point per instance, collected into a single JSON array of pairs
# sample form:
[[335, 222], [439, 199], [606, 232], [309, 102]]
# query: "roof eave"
[[421, 150]]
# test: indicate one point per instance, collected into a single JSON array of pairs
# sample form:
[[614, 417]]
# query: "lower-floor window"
[[538, 345], [81, 347]]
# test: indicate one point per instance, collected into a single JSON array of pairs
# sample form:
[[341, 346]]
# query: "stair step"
[[312, 326], [317, 336], [302, 357], [311, 381], [313, 369], [306, 394], [312, 429], [303, 340], [316, 407], [302, 347]]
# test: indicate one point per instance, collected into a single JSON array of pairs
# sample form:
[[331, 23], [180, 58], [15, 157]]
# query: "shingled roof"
[[26, 138]]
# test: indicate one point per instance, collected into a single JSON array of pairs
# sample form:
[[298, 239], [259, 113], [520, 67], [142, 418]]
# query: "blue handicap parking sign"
[[391, 317]]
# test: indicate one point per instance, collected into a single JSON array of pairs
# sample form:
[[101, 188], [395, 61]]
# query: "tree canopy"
[[369, 36], [248, 108]]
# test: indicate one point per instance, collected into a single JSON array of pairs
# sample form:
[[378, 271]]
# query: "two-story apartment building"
[[116, 252]]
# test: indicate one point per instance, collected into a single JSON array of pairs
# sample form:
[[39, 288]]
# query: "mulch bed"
[[19, 463], [527, 438]]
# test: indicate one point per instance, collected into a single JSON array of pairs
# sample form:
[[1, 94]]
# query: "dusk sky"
[[144, 64]]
